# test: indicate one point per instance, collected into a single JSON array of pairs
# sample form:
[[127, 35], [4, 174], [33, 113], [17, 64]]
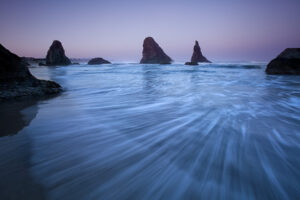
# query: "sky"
[[227, 30]]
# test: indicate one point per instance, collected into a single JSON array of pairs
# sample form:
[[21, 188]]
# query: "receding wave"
[[168, 132]]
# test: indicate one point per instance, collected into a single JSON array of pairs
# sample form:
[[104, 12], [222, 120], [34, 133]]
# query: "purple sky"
[[228, 30]]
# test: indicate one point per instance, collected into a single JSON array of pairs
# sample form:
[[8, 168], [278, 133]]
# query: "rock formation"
[[98, 61], [17, 81], [197, 56], [56, 55], [153, 53], [288, 62], [191, 63]]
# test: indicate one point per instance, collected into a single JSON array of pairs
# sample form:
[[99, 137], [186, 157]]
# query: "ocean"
[[133, 131]]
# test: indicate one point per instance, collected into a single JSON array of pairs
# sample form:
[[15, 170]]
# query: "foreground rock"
[[98, 61], [17, 81], [288, 62], [153, 53], [197, 56], [56, 55]]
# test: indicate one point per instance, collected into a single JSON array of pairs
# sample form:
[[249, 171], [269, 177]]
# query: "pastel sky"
[[227, 30]]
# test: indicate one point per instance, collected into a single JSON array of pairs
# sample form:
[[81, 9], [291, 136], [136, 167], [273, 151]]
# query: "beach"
[[221, 130]]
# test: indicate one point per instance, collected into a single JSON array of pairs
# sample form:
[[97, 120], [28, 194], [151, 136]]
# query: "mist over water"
[[131, 131]]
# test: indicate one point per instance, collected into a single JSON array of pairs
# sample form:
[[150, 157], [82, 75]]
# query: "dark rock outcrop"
[[153, 53], [197, 55], [288, 62], [56, 55], [191, 63], [17, 81], [98, 61]]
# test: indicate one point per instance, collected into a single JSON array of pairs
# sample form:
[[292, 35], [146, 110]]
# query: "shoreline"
[[16, 180]]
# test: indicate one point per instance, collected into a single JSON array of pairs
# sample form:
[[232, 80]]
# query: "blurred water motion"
[[129, 131]]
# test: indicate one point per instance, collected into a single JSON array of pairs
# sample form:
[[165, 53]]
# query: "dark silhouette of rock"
[[153, 54], [288, 62], [191, 63], [17, 81], [98, 61], [12, 67], [197, 55], [56, 55]]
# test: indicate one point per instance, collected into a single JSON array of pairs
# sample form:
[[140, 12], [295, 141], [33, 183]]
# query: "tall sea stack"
[[17, 81], [56, 55], [197, 56], [288, 62], [153, 53]]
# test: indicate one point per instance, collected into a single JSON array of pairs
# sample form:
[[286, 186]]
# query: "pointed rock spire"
[[56, 55], [197, 56], [153, 53]]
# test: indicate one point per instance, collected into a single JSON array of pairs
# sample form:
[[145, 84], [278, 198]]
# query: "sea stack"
[[197, 56], [288, 62], [17, 81], [153, 53], [98, 61], [56, 55]]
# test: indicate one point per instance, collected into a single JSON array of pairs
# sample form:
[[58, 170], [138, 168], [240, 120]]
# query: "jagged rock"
[[288, 62], [17, 81], [12, 67], [56, 55], [98, 61], [197, 55], [191, 63], [153, 53]]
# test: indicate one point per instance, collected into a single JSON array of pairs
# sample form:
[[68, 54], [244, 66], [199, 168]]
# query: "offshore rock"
[[191, 63], [98, 61], [56, 55], [153, 53], [288, 62], [197, 55]]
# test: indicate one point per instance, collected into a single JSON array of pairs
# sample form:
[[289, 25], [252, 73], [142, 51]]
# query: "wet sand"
[[16, 181]]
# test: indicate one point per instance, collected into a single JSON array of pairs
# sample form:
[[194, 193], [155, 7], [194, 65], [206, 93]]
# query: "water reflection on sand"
[[133, 131]]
